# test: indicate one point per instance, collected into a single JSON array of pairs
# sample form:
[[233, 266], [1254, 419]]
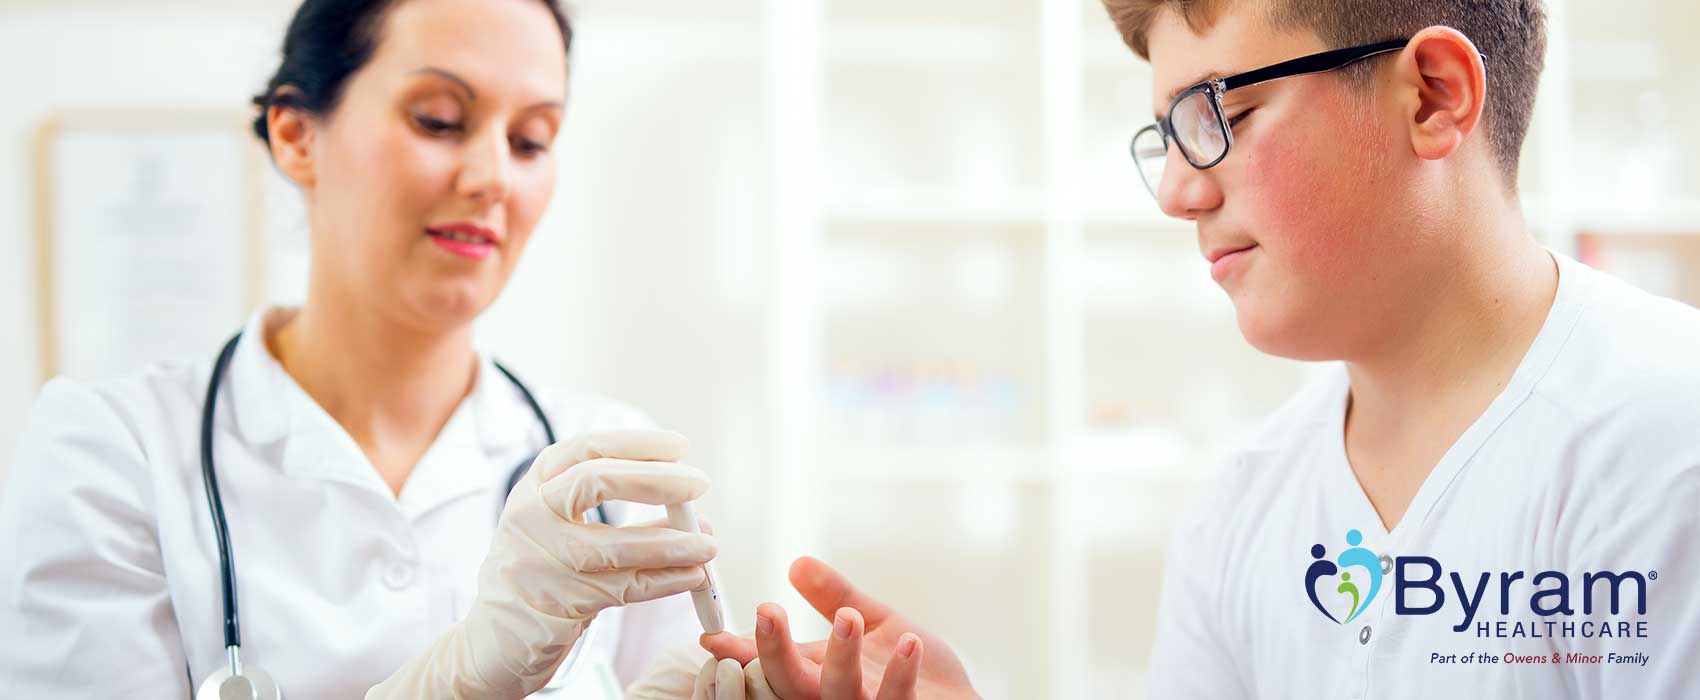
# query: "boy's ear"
[[1444, 87], [291, 132]]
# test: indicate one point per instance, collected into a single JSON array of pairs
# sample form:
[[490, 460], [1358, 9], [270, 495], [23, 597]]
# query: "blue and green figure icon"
[[1355, 556]]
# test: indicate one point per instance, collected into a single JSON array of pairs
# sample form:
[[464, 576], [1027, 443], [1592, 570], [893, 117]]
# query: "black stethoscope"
[[239, 682]]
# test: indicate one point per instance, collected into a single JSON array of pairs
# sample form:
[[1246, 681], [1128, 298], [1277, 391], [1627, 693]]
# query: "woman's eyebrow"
[[451, 77], [472, 94]]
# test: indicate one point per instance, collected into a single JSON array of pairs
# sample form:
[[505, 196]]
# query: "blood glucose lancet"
[[683, 516]]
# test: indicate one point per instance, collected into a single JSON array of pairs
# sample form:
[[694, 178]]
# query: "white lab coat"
[[110, 582]]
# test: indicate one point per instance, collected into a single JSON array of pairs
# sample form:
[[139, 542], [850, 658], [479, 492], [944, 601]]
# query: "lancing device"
[[683, 516]]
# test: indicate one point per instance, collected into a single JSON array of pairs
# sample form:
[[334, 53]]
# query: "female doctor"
[[319, 508]]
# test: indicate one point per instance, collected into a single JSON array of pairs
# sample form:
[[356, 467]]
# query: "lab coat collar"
[[273, 411], [466, 457], [504, 419], [255, 382]]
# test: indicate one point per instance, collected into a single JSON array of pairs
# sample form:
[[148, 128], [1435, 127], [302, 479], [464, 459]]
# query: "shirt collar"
[[255, 382], [504, 420], [471, 453]]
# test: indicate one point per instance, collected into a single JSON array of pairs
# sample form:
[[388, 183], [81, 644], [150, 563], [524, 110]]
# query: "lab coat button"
[[1363, 636], [398, 575], [1386, 564]]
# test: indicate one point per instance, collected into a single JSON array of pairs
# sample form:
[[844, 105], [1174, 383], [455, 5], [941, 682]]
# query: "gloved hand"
[[689, 673], [549, 572], [726, 680]]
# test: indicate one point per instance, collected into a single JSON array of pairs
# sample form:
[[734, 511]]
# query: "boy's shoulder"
[[1630, 351]]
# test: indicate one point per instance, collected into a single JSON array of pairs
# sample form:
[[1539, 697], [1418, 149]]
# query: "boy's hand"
[[874, 653]]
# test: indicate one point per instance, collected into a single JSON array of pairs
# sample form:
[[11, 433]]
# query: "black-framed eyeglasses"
[[1196, 124]]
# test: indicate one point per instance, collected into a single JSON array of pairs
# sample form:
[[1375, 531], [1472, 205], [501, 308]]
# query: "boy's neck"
[[1435, 369], [1468, 331]]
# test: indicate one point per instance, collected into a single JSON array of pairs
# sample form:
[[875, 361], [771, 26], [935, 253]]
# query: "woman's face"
[[430, 175]]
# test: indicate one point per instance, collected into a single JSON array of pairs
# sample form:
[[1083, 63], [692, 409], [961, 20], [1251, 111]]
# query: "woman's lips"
[[1221, 266], [465, 245]]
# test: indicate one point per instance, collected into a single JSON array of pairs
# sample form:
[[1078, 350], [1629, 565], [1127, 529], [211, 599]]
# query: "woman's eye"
[[1235, 121], [437, 127], [528, 148]]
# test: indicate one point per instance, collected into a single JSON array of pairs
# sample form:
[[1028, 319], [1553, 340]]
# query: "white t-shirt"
[[1588, 463]]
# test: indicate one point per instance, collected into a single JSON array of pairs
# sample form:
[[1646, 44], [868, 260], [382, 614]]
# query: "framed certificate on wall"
[[150, 240]]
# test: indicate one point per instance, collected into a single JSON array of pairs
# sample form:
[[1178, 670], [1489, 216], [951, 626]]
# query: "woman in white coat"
[[363, 445]]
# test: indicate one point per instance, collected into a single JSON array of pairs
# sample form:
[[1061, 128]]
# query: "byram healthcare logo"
[[1497, 604], [1341, 569]]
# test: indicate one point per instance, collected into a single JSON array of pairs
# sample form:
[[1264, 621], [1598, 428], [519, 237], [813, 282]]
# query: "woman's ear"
[[1444, 83], [291, 131]]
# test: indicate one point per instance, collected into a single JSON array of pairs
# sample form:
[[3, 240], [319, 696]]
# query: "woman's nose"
[[487, 171]]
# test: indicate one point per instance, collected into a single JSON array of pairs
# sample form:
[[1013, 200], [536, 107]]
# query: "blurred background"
[[887, 262]]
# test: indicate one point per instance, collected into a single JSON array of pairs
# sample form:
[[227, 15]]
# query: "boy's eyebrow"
[[1204, 77], [1170, 98]]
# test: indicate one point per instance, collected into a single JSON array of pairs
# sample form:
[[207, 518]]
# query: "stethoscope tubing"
[[221, 528]]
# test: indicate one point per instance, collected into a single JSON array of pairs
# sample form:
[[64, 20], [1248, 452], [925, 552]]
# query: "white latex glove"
[[726, 680], [690, 673], [549, 572], [672, 676]]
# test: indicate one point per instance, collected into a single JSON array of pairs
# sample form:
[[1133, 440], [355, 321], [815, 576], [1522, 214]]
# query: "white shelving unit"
[[984, 318], [1613, 157]]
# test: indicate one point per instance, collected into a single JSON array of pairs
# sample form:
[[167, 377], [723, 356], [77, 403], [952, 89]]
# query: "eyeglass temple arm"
[[1316, 63]]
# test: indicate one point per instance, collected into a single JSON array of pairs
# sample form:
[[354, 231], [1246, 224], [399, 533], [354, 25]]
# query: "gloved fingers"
[[724, 679], [628, 587], [728, 680], [590, 484], [841, 673], [671, 676], [593, 548], [789, 674], [640, 445], [703, 689], [755, 683], [903, 671], [703, 524]]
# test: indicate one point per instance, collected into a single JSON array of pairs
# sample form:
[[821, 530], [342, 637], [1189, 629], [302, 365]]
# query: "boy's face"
[[1315, 185]]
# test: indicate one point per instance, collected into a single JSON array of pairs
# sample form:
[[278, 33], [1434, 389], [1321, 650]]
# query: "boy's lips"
[[1222, 260], [1216, 254]]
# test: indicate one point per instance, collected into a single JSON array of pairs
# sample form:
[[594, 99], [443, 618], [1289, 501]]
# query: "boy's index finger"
[[826, 590], [725, 645]]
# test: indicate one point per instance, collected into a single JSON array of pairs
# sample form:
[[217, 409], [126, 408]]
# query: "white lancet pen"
[[683, 516]]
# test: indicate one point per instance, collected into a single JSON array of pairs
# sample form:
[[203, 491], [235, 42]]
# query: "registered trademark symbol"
[[1652, 576]]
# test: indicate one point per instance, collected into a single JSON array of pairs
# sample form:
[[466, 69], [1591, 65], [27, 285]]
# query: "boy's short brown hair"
[[1511, 33]]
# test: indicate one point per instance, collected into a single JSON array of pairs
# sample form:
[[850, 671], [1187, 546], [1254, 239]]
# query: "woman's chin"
[[447, 307]]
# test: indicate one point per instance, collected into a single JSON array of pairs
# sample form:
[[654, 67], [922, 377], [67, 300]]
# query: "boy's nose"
[[1186, 192]]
